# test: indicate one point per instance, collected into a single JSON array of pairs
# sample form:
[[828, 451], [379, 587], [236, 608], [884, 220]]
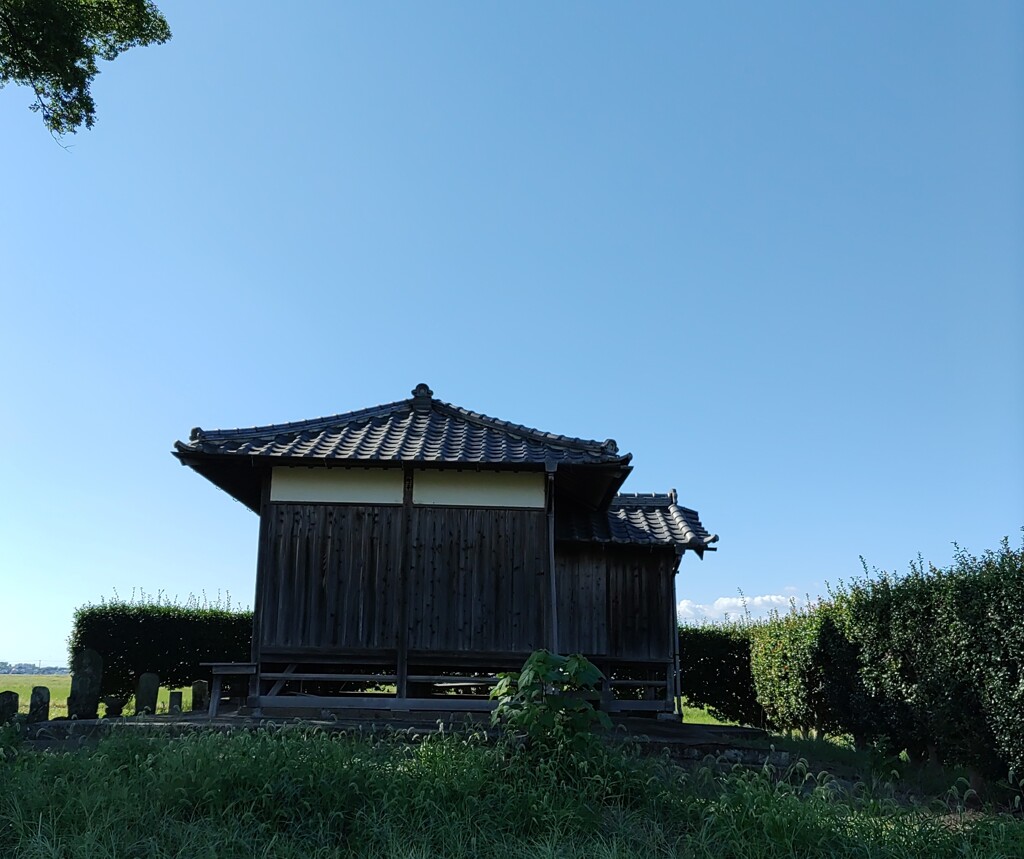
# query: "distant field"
[[60, 688]]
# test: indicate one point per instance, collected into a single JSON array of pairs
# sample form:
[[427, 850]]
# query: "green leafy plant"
[[550, 700]]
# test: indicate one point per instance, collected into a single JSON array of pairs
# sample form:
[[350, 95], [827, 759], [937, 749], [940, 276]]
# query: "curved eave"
[[695, 546], [241, 475]]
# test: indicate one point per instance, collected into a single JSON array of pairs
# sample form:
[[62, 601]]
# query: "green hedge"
[[714, 662], [805, 672], [137, 636], [931, 662], [944, 649]]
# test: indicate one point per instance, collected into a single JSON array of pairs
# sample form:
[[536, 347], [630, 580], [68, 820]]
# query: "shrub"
[[550, 701], [1003, 666], [942, 652], [803, 670], [714, 669], [155, 634]]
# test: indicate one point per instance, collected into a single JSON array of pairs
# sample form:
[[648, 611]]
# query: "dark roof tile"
[[635, 518], [419, 429]]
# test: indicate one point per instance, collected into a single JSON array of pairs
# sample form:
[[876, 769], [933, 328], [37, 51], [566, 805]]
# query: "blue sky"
[[775, 250]]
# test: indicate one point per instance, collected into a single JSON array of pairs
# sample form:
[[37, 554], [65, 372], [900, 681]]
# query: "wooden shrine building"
[[409, 551]]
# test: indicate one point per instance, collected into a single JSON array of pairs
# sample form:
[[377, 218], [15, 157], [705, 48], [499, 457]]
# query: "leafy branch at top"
[[52, 46]]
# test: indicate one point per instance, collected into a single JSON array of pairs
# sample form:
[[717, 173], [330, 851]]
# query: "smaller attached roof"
[[653, 519], [416, 430]]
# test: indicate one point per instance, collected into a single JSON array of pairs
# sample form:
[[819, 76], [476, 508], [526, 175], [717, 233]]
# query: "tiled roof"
[[418, 429], [652, 519]]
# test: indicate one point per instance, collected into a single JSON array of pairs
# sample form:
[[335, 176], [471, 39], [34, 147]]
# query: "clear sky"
[[775, 250]]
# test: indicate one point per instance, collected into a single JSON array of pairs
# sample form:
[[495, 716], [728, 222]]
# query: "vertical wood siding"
[[477, 579], [615, 601], [477, 582], [331, 576]]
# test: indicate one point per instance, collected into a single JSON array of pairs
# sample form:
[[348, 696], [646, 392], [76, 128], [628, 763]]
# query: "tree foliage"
[[53, 47]]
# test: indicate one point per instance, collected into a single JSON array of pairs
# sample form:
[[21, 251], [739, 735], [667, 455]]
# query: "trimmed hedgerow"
[[931, 662], [159, 635], [715, 671], [805, 672], [943, 648]]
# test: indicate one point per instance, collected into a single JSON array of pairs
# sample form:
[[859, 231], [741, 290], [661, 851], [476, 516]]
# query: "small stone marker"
[[175, 702], [86, 674], [39, 704], [146, 693], [8, 707], [200, 696]]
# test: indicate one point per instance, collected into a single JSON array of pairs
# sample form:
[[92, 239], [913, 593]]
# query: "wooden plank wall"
[[615, 600], [477, 579], [331, 576], [582, 581]]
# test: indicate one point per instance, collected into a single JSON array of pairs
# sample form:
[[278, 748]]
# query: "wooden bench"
[[220, 670]]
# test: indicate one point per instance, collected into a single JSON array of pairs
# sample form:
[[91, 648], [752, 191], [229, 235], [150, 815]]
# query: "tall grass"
[[304, 793]]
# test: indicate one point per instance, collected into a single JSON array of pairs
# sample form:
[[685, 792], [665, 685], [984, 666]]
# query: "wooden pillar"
[[550, 468], [405, 561], [673, 690], [263, 557]]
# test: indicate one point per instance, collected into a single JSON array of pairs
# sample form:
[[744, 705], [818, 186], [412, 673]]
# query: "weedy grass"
[[299, 792]]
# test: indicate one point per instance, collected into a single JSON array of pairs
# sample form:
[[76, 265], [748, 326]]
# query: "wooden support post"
[[552, 574], [673, 689], [263, 558], [405, 556]]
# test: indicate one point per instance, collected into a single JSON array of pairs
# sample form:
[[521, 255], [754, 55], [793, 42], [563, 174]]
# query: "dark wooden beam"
[[262, 559], [403, 586]]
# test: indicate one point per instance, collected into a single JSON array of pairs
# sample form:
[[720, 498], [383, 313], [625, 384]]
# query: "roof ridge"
[[644, 498], [422, 404], [198, 433], [557, 439]]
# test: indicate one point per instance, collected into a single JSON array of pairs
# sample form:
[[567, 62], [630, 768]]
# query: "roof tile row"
[[418, 429], [652, 519]]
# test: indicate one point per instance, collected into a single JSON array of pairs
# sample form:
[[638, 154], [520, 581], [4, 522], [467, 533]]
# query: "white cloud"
[[756, 606]]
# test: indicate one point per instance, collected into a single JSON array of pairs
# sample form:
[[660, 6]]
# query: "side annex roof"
[[639, 518]]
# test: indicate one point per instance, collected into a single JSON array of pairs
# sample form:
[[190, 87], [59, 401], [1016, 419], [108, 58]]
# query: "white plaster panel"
[[338, 485], [478, 488]]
